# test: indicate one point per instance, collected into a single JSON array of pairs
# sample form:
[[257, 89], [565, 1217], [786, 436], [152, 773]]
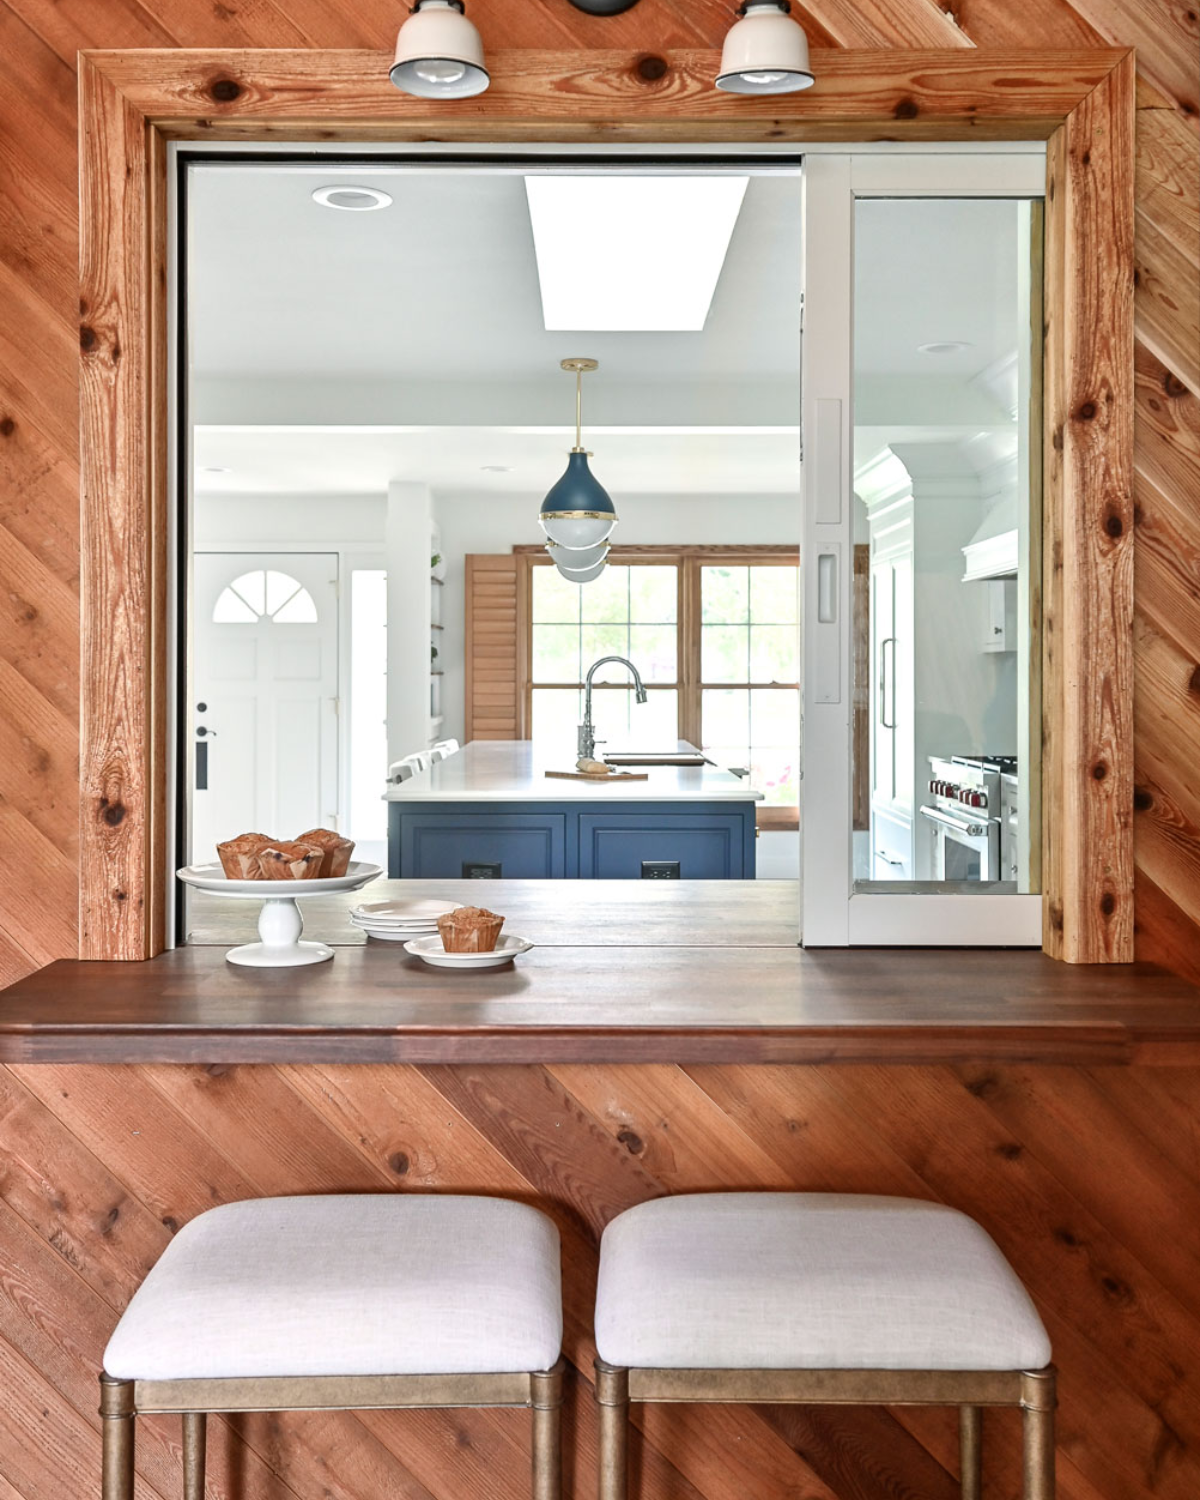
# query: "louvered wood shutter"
[[494, 632]]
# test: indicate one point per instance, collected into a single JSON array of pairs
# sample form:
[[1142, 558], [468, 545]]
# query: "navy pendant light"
[[578, 514]]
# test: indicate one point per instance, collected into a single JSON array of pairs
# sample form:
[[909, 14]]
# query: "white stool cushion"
[[809, 1281], [354, 1285]]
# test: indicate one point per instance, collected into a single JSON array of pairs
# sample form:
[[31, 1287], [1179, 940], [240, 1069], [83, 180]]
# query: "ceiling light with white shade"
[[578, 511], [576, 559], [439, 53], [766, 52], [583, 575]]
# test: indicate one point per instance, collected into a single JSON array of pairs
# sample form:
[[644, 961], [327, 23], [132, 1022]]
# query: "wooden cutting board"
[[598, 776]]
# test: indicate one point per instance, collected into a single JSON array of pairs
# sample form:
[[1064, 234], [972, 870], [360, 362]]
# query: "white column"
[[407, 540]]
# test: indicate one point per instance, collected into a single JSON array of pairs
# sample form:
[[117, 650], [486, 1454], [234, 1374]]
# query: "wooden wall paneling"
[[1168, 168], [1082, 1178], [1166, 35]]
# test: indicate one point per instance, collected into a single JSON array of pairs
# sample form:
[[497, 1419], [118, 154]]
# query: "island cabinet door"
[[467, 845], [637, 845]]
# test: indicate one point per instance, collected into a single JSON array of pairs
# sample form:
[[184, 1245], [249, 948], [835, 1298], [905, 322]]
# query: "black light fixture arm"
[[604, 7]]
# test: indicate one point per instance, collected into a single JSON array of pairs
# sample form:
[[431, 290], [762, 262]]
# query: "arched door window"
[[265, 594]]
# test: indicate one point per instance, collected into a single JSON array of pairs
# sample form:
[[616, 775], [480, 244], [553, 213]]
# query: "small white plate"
[[408, 936], [430, 949], [397, 913]]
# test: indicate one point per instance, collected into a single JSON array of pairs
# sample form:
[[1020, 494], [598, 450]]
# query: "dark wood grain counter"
[[627, 973]]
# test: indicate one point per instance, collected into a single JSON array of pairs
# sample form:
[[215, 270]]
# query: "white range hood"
[[992, 551]]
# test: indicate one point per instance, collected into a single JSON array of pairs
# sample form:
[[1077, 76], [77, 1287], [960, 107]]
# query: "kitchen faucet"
[[587, 733]]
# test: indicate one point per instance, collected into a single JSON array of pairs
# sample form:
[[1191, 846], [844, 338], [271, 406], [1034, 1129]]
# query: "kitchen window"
[[713, 631]]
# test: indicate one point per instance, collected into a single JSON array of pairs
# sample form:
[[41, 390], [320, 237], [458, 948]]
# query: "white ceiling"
[[443, 284], [440, 291], [932, 270], [347, 461]]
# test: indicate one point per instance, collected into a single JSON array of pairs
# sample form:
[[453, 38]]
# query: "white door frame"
[[832, 914]]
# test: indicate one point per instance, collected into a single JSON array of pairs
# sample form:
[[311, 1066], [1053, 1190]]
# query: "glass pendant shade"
[[439, 54], [578, 511], [766, 52], [575, 559], [584, 575]]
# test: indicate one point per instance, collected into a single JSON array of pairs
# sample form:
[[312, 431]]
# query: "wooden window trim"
[[1081, 101], [689, 558]]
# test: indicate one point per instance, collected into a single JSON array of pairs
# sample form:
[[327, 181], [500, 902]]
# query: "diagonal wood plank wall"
[[1090, 1181], [38, 392]]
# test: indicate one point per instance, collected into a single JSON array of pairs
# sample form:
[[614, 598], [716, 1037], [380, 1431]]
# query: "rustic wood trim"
[[861, 94], [1087, 773], [131, 102], [123, 522]]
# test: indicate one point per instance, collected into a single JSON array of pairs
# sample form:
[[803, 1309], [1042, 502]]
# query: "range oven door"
[[963, 848]]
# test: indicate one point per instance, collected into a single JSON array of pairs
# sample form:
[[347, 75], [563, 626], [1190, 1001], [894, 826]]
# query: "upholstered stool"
[[339, 1303], [814, 1298]]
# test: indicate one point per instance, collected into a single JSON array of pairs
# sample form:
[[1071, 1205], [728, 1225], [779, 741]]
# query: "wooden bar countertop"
[[622, 972]]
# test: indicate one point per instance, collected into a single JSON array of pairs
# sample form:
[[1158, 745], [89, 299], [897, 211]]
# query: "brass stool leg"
[[1037, 1403], [546, 1389], [970, 1447], [194, 1440], [116, 1426], [612, 1400]]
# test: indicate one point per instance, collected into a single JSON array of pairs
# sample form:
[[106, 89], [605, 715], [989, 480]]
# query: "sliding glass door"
[[922, 359]]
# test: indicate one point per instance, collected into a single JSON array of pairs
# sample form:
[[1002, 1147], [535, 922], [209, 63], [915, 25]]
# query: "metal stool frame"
[[123, 1401], [1033, 1391]]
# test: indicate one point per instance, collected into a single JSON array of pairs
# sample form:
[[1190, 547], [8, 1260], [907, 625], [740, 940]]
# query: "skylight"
[[631, 254]]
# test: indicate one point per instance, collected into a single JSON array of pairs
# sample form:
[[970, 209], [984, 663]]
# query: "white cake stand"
[[279, 922]]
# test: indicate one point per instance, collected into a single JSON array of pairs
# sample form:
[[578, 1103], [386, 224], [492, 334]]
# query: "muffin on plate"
[[284, 860], [239, 856], [335, 849], [470, 929]]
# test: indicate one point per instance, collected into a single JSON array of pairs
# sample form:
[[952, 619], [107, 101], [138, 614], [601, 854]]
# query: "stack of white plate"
[[401, 921]]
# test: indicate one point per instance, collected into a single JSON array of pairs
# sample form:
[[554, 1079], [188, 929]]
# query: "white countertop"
[[515, 771]]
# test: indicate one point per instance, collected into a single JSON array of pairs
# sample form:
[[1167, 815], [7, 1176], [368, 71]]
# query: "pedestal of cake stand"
[[279, 947]]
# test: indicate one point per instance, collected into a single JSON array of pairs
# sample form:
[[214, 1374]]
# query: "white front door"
[[265, 696]]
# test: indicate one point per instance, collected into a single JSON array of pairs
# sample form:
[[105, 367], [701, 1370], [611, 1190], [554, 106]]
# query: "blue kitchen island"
[[491, 812]]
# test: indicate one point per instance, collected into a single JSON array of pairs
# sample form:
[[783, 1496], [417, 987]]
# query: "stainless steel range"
[[971, 816]]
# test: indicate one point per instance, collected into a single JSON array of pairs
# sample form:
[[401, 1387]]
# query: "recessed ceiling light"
[[943, 346], [352, 198], [631, 254], [496, 468]]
